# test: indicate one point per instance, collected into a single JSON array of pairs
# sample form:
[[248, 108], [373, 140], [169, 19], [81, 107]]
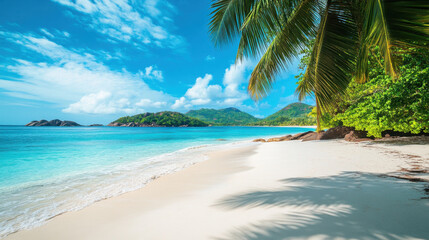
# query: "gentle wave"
[[29, 205]]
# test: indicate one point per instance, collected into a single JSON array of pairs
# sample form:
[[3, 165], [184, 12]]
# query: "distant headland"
[[55, 122]]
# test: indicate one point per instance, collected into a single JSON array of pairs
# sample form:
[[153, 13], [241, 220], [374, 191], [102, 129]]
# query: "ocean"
[[46, 171]]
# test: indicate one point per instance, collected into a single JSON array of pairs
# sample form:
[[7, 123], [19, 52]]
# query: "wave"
[[29, 205]]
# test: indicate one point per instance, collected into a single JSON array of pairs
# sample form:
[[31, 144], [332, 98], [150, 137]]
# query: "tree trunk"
[[318, 115]]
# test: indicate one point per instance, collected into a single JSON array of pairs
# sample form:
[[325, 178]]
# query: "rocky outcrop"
[[336, 132], [347, 133], [300, 136], [356, 136], [55, 123], [280, 139], [312, 136]]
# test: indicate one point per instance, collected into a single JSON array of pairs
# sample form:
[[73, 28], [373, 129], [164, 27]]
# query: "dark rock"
[[32, 123], [311, 136], [95, 125], [300, 135], [356, 136], [55, 122], [68, 124], [280, 139], [336, 132]]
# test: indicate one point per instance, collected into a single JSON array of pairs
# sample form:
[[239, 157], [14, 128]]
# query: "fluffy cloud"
[[78, 80], [151, 73], [231, 93], [127, 21]]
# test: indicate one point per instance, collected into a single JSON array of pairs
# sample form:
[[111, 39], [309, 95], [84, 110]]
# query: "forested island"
[[223, 117], [160, 119], [293, 114]]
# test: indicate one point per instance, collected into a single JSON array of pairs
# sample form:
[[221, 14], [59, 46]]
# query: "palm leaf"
[[290, 38], [226, 19], [334, 54]]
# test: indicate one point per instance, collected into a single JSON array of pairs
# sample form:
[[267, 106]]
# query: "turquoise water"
[[45, 171]]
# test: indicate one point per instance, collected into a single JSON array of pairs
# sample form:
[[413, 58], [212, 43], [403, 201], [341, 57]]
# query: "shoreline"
[[94, 187], [195, 195]]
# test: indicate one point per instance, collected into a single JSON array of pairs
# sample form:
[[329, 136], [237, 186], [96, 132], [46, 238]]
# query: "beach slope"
[[284, 190]]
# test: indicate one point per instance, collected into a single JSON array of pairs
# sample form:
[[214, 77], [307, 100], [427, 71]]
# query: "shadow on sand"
[[347, 206]]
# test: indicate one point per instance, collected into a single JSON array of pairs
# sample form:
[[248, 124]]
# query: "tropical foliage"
[[168, 119], [387, 104], [345, 33], [223, 117]]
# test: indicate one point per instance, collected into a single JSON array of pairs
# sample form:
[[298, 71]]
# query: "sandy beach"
[[284, 190]]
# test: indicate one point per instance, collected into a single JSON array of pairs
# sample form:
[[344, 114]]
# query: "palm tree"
[[344, 33]]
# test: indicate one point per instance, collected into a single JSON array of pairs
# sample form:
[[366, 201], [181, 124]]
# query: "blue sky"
[[92, 61]]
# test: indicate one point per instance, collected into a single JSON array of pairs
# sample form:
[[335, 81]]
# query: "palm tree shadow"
[[351, 205]]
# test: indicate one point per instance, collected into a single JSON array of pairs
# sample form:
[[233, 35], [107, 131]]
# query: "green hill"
[[292, 114], [160, 119], [223, 117]]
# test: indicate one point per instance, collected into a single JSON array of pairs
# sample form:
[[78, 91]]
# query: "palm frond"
[[290, 38], [262, 24], [407, 20], [334, 54], [375, 32], [226, 19]]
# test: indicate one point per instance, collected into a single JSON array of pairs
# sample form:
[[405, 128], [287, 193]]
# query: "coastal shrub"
[[384, 103]]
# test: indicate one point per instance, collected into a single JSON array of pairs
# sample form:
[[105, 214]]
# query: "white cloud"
[[210, 58], [123, 20], [231, 93], [55, 34], [99, 103], [181, 103], [77, 81], [150, 103], [202, 93], [47, 33], [151, 73]]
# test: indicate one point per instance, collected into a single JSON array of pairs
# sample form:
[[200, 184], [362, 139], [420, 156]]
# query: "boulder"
[[336, 132], [280, 139], [356, 136], [259, 140], [95, 125], [300, 135], [311, 136]]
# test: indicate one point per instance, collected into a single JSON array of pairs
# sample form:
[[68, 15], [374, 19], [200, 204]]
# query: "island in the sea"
[[52, 123], [159, 119], [294, 114], [297, 114]]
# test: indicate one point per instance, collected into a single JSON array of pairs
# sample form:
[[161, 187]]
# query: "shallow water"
[[46, 171]]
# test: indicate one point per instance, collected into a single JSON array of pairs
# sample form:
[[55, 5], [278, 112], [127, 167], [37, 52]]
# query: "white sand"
[[286, 190]]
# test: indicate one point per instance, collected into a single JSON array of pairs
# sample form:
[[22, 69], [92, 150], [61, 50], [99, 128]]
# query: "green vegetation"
[[223, 117], [168, 119], [345, 34], [296, 114], [383, 103]]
